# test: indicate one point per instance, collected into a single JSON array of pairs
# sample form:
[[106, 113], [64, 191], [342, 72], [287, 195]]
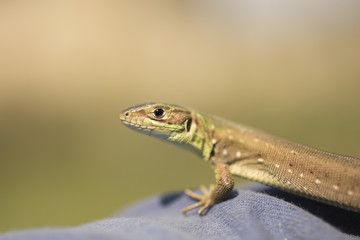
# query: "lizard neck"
[[200, 135]]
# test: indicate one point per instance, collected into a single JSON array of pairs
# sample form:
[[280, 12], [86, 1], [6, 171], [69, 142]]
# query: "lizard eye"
[[159, 112]]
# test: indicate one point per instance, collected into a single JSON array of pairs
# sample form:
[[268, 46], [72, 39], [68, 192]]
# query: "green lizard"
[[252, 154]]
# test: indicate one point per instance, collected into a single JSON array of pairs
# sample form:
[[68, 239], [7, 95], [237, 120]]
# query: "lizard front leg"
[[215, 194]]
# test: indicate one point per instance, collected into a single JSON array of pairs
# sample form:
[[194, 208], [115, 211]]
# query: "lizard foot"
[[204, 200]]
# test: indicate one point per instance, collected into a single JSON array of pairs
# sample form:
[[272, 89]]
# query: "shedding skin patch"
[[213, 141], [289, 170], [225, 152], [317, 181], [288, 182], [260, 160], [305, 188], [238, 154], [335, 187], [301, 175], [350, 192], [277, 166]]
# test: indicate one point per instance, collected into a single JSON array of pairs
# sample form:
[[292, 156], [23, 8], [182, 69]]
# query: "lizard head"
[[165, 121], [169, 122]]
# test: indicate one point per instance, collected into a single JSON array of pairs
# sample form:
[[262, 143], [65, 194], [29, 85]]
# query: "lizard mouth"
[[137, 124], [150, 130], [135, 120]]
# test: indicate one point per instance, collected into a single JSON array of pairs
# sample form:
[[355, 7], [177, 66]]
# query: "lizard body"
[[252, 154]]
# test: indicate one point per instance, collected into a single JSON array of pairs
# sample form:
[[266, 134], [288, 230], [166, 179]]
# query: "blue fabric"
[[255, 212]]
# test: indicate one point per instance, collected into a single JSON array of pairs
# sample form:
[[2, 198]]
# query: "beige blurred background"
[[67, 68]]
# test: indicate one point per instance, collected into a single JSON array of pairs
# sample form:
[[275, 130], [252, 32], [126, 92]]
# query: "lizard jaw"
[[144, 125]]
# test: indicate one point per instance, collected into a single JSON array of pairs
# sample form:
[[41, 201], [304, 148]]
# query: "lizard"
[[236, 149]]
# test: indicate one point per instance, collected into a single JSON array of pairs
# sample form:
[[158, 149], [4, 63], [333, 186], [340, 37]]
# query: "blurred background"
[[67, 68]]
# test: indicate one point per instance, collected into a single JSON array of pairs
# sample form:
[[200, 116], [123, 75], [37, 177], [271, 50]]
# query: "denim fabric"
[[251, 212]]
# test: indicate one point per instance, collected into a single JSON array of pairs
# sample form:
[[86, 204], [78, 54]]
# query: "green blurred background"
[[67, 68]]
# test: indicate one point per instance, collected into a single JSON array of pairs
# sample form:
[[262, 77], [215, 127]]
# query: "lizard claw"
[[204, 200]]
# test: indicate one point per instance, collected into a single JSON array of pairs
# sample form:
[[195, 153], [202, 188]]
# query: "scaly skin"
[[235, 149]]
